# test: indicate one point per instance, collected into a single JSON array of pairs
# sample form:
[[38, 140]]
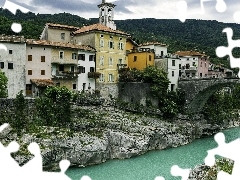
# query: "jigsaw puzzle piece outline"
[[226, 150], [222, 51], [182, 8]]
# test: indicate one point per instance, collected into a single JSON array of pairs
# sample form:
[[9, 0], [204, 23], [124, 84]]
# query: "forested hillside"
[[202, 35]]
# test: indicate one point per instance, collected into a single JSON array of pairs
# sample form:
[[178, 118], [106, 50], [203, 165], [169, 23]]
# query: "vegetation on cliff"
[[3, 85], [223, 105]]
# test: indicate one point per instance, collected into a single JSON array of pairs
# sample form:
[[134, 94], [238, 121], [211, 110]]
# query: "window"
[[10, 65], [42, 58], [172, 73], [72, 68], [81, 69], [188, 59], [74, 55], [172, 87], [101, 61], [201, 64], [194, 63], [173, 62], [101, 43], [150, 57], [74, 86], [81, 57], [205, 64], [61, 54], [2, 65], [91, 58], [111, 45], [180, 66], [91, 69], [110, 61], [42, 72], [200, 74], [135, 58], [10, 51], [29, 72], [61, 67], [101, 35], [58, 84], [162, 53], [120, 45], [110, 78], [29, 57], [101, 79], [62, 36]]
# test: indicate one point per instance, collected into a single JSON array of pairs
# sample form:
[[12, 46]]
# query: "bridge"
[[198, 91]]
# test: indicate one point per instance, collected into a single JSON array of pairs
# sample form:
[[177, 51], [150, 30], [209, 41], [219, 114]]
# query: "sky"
[[135, 9]]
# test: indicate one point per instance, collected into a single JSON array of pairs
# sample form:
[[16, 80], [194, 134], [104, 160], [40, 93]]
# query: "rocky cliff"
[[108, 133]]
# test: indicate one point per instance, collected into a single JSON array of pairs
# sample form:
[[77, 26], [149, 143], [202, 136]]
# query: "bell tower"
[[106, 14]]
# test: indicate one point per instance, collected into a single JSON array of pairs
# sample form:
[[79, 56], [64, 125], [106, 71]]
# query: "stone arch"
[[198, 102]]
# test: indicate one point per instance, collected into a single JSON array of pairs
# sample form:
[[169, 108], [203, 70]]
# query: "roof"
[[42, 82], [189, 53], [59, 44], [98, 27], [12, 38], [132, 41], [153, 43], [61, 26]]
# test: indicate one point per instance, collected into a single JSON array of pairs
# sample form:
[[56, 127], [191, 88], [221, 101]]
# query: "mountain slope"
[[202, 35]]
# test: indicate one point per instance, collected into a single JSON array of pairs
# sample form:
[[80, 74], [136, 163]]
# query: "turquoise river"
[[153, 163]]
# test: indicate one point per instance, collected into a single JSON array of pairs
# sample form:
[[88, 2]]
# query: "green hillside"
[[200, 35]]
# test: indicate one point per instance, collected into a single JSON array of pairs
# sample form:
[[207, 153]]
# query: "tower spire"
[[106, 14]]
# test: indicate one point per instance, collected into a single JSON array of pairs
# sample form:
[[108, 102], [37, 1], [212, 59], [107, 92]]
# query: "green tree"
[[3, 85], [20, 120], [55, 106]]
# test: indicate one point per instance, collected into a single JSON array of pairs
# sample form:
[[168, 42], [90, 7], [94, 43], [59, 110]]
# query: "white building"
[[173, 72], [12, 63], [159, 49], [87, 69], [188, 64]]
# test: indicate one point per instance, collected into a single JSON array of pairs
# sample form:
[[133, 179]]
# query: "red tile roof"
[[189, 53], [98, 27], [153, 43], [42, 82], [59, 44], [61, 26]]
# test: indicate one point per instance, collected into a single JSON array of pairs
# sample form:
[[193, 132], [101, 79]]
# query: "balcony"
[[191, 69], [65, 75], [94, 75], [120, 66]]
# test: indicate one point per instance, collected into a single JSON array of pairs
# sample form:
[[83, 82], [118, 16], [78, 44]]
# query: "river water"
[[153, 163]]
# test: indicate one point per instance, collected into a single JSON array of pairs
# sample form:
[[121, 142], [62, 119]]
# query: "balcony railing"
[[65, 75], [120, 66], [94, 75]]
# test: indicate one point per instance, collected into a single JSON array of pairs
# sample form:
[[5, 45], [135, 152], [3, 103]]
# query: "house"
[[140, 58], [12, 63], [38, 67], [60, 64], [109, 43], [170, 64], [193, 64]]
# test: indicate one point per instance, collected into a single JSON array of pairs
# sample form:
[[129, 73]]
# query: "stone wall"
[[138, 93]]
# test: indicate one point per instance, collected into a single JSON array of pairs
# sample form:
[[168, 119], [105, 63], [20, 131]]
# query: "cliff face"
[[123, 135]]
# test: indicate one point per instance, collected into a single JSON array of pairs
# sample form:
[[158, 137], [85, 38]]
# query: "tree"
[[3, 85], [55, 107]]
